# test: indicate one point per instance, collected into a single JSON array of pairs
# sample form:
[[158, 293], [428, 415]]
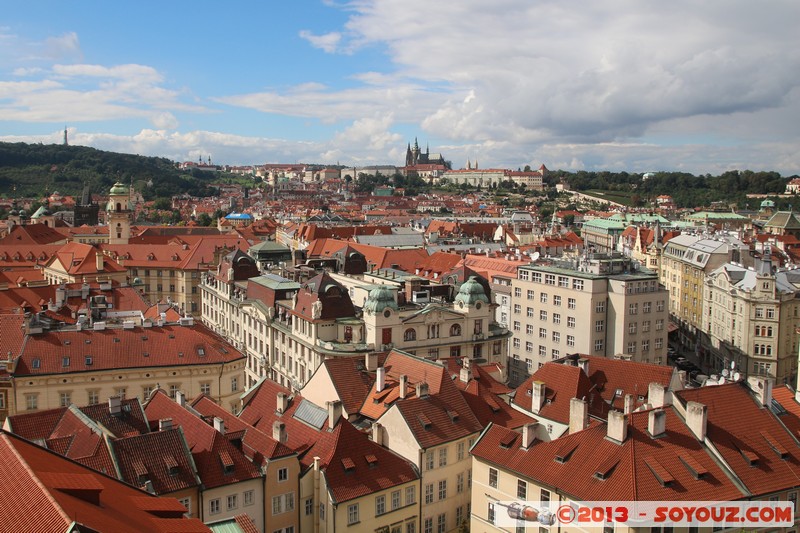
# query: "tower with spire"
[[118, 214], [66, 142]]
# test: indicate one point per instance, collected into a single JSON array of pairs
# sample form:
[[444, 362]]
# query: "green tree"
[[204, 219]]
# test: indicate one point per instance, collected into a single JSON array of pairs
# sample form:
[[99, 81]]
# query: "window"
[[93, 397], [31, 402], [522, 489], [455, 330], [632, 347], [600, 307], [536, 277], [530, 295], [234, 384], [411, 527], [396, 500], [65, 361], [577, 284], [490, 513], [570, 321], [429, 493], [659, 324], [205, 388], [427, 525], [232, 502], [442, 457], [213, 506], [459, 515], [460, 449], [549, 279], [571, 303], [545, 497], [543, 316], [441, 523], [442, 489], [599, 326], [632, 328], [633, 308], [528, 329], [646, 326], [460, 483], [380, 505], [517, 325], [283, 503], [556, 318], [543, 297], [516, 343], [283, 474], [66, 399], [523, 275], [187, 503], [528, 346], [646, 307], [542, 353], [598, 345], [410, 335], [352, 514], [429, 460], [517, 292], [517, 309], [411, 495], [493, 478], [556, 336], [529, 312], [309, 505], [645, 346]]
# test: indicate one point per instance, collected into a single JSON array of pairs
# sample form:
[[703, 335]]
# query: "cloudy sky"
[[614, 85]]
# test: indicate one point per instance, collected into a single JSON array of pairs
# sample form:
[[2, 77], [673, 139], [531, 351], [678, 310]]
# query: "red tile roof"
[[43, 491], [568, 464], [741, 430], [90, 350]]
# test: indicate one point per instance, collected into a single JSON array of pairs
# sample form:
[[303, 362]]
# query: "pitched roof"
[[746, 436], [66, 351], [570, 463], [43, 491]]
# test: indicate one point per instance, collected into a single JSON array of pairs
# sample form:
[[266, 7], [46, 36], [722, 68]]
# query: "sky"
[[636, 86]]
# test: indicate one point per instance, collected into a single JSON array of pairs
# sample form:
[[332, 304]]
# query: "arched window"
[[455, 330], [410, 335], [119, 207]]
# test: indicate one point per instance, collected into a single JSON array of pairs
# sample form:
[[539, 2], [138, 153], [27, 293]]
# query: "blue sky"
[[615, 85]]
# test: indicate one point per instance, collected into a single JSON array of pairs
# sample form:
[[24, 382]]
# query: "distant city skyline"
[[621, 85]]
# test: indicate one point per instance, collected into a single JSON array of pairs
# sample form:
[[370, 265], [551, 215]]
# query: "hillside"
[[34, 168]]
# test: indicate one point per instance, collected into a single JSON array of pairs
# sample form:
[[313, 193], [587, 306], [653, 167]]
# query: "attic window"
[[146, 354], [87, 341], [65, 361], [201, 352], [453, 415], [140, 470], [661, 474], [227, 462], [750, 457], [171, 336], [424, 420], [88, 360], [619, 392], [116, 339], [372, 461], [606, 468], [565, 452], [508, 440], [144, 337], [776, 446], [695, 468], [36, 363], [171, 464], [348, 464], [67, 342]]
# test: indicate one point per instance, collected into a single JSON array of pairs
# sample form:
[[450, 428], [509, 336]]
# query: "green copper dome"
[[119, 189], [379, 299], [471, 292]]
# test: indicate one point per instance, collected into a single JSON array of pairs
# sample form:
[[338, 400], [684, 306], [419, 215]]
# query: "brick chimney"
[[403, 386], [282, 403], [380, 380], [628, 404], [334, 413], [578, 415], [617, 427], [657, 395], [537, 396], [98, 260], [528, 434], [371, 361], [279, 431], [697, 419], [657, 422], [422, 389]]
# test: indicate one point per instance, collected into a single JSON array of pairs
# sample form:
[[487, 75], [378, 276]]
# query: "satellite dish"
[[733, 365], [535, 257], [736, 376], [721, 380], [725, 372]]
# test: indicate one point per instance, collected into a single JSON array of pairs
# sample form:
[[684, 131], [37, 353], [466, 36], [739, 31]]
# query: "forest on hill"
[[32, 169]]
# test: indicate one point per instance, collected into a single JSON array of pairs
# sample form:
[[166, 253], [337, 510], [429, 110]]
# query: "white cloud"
[[329, 42]]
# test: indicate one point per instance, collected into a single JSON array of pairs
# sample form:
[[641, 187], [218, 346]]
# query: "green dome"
[[379, 299], [471, 292], [119, 189]]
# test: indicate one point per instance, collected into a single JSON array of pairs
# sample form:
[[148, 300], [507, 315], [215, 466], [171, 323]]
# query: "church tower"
[[118, 214]]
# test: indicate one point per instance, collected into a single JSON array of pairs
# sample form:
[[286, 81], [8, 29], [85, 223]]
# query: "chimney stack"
[[422, 390], [219, 424], [617, 429], [334, 413], [537, 396], [403, 386], [180, 398], [98, 260], [657, 422], [377, 433], [762, 387], [628, 404], [583, 363], [578, 415], [529, 434], [282, 403], [465, 374], [697, 419], [657, 395], [115, 405], [371, 361], [380, 382], [164, 424], [279, 431]]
